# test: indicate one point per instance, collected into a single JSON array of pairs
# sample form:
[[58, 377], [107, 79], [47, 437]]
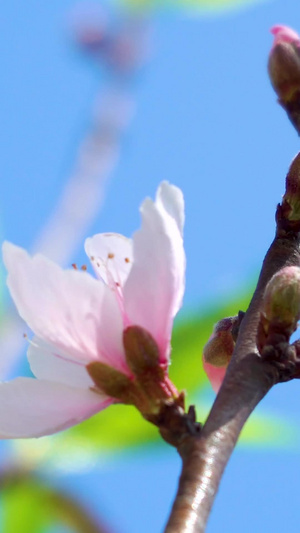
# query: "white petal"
[[68, 309], [48, 363], [111, 256], [170, 198], [155, 285], [33, 408]]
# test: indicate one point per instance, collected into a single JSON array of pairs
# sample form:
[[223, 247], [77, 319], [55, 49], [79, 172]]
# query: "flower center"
[[113, 268]]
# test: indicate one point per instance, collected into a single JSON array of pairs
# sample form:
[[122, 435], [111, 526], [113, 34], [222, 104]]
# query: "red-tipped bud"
[[218, 350], [281, 304], [284, 62], [284, 71]]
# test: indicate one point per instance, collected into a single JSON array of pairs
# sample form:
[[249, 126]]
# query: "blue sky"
[[207, 120]]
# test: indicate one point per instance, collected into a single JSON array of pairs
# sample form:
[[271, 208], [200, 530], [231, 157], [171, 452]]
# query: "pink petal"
[[33, 408], [284, 34], [215, 375], [48, 363], [68, 309], [154, 289], [111, 256]]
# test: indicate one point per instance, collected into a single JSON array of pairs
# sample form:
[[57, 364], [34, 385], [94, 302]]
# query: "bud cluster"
[[148, 387]]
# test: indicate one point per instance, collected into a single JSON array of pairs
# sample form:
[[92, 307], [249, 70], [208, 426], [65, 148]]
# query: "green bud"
[[281, 304]]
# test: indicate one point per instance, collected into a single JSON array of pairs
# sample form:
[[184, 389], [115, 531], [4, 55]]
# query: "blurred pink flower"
[[78, 320]]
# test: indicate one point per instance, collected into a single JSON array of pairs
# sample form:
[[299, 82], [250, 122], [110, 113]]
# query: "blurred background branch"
[[41, 507], [119, 48]]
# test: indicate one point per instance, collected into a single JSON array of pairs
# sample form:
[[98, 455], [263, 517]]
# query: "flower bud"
[[284, 62], [281, 304], [218, 350], [284, 71]]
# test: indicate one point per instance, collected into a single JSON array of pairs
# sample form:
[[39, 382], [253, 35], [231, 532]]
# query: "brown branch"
[[248, 379]]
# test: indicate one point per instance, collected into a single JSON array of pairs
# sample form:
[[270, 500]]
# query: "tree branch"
[[247, 381]]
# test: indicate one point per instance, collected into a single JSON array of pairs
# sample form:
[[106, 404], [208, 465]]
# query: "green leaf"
[[22, 509], [29, 505], [265, 430]]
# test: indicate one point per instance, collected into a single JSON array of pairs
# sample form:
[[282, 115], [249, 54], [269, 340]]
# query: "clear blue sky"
[[206, 120]]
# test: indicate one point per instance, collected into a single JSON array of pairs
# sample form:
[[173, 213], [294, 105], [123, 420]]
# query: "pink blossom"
[[78, 320]]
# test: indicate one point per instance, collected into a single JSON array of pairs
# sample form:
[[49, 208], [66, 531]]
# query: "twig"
[[248, 379]]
